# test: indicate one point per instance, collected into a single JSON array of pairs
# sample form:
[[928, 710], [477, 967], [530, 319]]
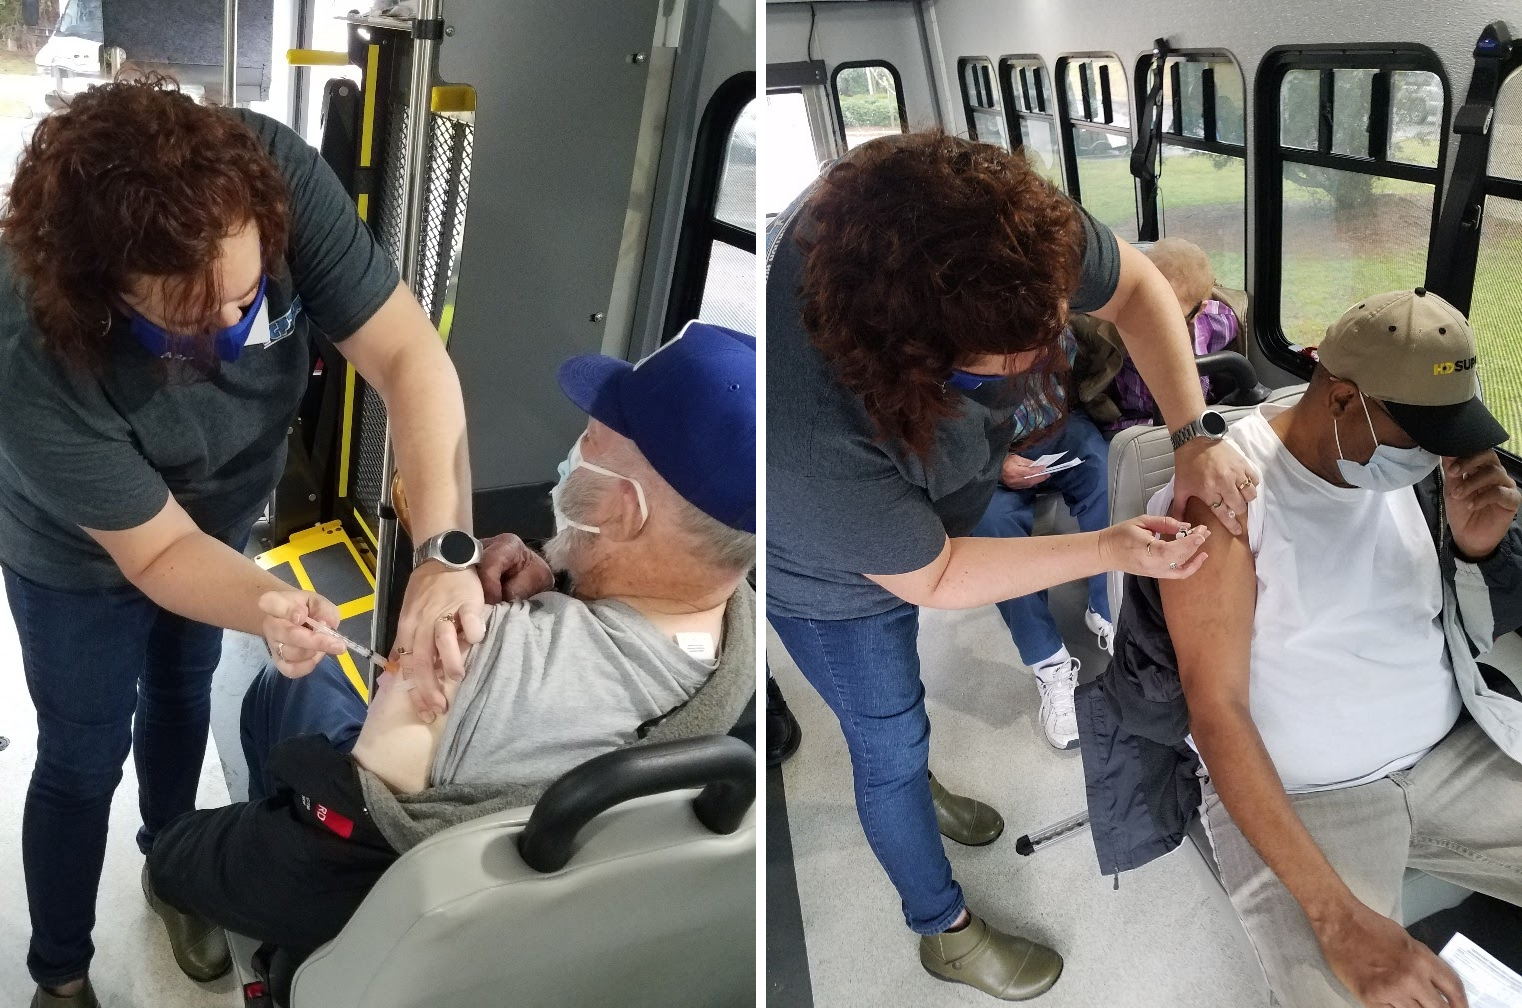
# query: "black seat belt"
[[1456, 248], [1148, 142]]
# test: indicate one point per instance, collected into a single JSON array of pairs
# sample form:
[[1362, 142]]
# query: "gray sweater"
[[501, 717]]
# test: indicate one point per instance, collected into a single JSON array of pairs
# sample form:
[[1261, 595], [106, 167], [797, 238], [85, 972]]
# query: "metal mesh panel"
[[370, 459]]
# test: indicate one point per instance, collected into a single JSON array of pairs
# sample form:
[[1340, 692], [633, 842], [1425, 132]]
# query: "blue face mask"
[[229, 342], [1389, 468], [967, 380]]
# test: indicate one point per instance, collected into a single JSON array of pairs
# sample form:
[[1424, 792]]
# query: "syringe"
[[352, 645], [1071, 826]]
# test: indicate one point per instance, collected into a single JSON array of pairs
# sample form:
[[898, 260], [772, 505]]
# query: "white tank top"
[[1350, 676]]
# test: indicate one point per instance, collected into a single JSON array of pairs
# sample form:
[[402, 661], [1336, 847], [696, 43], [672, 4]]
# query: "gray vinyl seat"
[[1141, 463], [653, 909]]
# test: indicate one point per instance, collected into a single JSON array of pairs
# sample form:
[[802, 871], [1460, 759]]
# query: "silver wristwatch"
[[1209, 424], [454, 549]]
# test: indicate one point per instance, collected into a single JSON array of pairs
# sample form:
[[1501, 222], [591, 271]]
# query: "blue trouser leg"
[[868, 672], [323, 702], [102, 668], [1085, 489], [1012, 514]]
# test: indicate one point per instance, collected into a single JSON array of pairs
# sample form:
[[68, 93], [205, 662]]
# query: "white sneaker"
[[1058, 719], [1102, 629]]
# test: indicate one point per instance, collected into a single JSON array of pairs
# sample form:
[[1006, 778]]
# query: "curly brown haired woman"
[[162, 267], [916, 299]]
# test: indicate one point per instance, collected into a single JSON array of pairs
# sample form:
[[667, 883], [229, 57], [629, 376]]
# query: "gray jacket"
[[1141, 776]]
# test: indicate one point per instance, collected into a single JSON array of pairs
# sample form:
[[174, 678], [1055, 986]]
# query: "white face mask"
[[574, 461], [1389, 468]]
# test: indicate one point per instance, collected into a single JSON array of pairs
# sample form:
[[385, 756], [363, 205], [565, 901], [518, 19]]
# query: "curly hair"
[[134, 179], [923, 250]]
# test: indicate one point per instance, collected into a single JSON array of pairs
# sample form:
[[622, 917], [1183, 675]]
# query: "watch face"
[[457, 547], [1214, 423]]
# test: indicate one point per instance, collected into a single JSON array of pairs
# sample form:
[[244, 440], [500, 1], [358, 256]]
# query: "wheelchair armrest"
[[1232, 365]]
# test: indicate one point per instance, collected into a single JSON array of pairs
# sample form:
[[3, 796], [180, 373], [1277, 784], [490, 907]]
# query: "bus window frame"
[[898, 92], [701, 226], [1210, 144], [1267, 175], [1066, 123], [1013, 113], [968, 107]]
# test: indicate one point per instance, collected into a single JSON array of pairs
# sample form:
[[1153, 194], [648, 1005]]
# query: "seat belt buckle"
[[1474, 119]]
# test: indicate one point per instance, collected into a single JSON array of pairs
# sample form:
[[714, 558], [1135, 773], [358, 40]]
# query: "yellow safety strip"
[[316, 57], [452, 98], [365, 527], [346, 661], [367, 128], [362, 204], [360, 562], [302, 578], [348, 431], [446, 319]]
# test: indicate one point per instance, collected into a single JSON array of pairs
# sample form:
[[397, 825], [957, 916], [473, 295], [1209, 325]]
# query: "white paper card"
[[1070, 463], [1487, 981], [1047, 460]]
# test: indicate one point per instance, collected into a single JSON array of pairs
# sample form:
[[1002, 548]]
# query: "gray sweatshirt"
[[554, 683]]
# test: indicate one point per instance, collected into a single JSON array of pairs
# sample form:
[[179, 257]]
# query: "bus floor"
[[133, 967], [1167, 937]]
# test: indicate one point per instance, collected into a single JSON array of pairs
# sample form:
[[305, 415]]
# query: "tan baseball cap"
[[1415, 353]]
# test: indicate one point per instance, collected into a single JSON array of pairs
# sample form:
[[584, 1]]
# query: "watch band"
[[433, 549], [1196, 428]]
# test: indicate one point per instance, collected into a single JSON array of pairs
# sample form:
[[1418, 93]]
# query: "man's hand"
[[511, 571], [1218, 475], [295, 647], [1020, 474], [442, 612], [1382, 965], [1482, 502]]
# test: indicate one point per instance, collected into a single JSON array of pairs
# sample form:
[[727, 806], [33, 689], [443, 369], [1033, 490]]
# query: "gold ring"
[[447, 618], [1217, 504], [1245, 484], [1149, 549], [403, 651], [280, 650]]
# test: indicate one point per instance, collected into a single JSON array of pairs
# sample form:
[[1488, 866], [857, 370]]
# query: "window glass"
[[1496, 314], [1416, 116], [1038, 138], [868, 100], [1346, 235], [791, 163], [1351, 97], [988, 127], [1105, 185], [729, 290], [736, 203], [1120, 102], [1192, 89], [1230, 114], [1506, 138], [330, 34], [1202, 200], [1299, 107]]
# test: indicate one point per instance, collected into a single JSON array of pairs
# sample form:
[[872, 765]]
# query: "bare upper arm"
[[1210, 615], [1133, 266], [397, 326], [135, 549], [916, 587]]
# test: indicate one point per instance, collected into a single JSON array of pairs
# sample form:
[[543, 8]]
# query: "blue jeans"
[[275, 708], [1085, 488], [868, 671], [107, 671]]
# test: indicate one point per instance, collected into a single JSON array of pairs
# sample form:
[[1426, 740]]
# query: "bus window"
[[1096, 111], [729, 289], [791, 156], [980, 101], [1202, 184], [714, 278], [1495, 309], [1032, 110], [1356, 192], [869, 101]]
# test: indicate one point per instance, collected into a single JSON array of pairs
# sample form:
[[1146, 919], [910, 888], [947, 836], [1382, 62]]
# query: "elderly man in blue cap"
[[655, 514]]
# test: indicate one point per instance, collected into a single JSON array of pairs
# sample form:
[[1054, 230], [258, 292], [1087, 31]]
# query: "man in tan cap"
[[1328, 658]]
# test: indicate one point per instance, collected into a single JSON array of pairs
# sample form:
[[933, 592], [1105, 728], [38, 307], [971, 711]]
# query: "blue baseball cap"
[[690, 408]]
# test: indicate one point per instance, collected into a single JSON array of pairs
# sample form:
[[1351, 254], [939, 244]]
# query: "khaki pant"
[[1457, 815]]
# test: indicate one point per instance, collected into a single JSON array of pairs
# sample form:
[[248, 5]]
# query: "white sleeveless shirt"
[[1350, 675]]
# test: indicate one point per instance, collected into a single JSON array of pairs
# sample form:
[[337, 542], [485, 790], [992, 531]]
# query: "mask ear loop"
[[1369, 420], [639, 492]]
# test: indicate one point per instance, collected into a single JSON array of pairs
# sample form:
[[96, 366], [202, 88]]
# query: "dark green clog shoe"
[[82, 998], [965, 820], [1009, 967], [199, 946]]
